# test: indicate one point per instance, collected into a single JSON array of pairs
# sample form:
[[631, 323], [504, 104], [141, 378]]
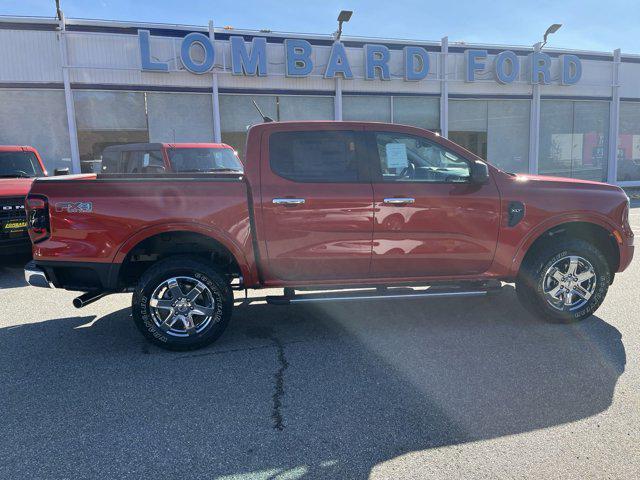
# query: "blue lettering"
[[145, 54], [540, 65], [500, 66], [473, 65], [185, 53], [411, 54], [243, 63], [338, 62], [376, 57], [297, 58], [571, 69]]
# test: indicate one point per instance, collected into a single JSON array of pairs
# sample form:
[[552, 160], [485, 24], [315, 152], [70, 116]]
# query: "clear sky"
[[587, 24]]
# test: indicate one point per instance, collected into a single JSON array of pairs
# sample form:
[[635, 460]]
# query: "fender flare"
[[213, 233], [535, 233]]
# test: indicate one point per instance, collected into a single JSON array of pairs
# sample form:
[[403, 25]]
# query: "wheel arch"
[[594, 229], [185, 234]]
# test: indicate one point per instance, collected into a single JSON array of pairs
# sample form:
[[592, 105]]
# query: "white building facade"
[[70, 88]]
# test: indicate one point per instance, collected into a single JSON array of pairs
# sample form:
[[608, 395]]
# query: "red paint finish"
[[18, 187], [343, 233], [326, 238]]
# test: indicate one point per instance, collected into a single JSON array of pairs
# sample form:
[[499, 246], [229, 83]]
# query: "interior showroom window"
[[629, 142], [422, 112], [371, 108]]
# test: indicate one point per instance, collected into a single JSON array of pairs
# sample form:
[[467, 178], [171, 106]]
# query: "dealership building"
[[71, 88]]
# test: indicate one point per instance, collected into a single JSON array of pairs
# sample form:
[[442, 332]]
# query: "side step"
[[378, 294]]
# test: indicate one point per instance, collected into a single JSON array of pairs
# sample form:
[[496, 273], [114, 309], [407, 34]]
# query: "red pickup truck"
[[355, 210], [19, 165]]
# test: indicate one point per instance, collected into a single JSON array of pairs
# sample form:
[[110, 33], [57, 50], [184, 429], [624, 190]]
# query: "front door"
[[429, 219], [317, 204]]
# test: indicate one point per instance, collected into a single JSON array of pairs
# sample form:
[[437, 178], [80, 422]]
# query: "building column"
[[215, 99], [337, 100], [534, 124], [444, 88], [614, 119], [68, 97]]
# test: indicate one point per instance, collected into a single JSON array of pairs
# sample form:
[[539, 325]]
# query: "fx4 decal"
[[74, 207]]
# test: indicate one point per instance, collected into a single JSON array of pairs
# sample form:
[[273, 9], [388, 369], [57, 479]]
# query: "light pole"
[[344, 16], [552, 29]]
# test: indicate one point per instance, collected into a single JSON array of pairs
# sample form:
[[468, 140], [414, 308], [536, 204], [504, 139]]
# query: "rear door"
[[317, 203], [429, 219]]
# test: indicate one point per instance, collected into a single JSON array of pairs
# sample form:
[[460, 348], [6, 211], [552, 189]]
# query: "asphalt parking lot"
[[473, 388]]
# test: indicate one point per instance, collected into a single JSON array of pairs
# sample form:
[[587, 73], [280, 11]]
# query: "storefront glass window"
[[629, 142], [22, 111], [108, 118], [468, 125], [237, 113], [497, 130], [370, 108], [574, 139], [305, 108], [422, 112], [180, 117]]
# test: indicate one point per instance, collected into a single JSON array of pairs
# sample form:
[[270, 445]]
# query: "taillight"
[[37, 217]]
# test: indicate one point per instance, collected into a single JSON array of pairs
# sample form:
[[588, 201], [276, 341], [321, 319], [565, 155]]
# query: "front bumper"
[[35, 276]]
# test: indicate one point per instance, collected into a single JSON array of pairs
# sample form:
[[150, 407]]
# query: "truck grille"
[[11, 209]]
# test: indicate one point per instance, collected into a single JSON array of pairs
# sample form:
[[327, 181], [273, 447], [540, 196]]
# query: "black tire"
[[184, 266], [530, 281]]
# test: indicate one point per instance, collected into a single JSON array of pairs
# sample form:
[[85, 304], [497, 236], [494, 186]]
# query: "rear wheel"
[[564, 281], [182, 303]]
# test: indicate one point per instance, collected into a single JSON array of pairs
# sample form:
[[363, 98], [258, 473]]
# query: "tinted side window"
[[149, 161], [409, 158], [318, 156]]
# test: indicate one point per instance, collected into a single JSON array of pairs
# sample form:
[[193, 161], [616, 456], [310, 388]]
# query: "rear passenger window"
[[149, 161], [319, 156]]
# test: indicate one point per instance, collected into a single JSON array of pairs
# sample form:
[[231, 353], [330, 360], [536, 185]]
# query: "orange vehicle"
[[367, 208]]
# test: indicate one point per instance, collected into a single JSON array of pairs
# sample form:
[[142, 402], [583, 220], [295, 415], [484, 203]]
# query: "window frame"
[[359, 136], [375, 164]]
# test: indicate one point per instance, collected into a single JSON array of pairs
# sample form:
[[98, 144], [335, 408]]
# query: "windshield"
[[204, 160], [19, 164]]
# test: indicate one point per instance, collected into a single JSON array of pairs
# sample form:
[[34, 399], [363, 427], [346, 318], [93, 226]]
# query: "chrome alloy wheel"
[[182, 306], [569, 283]]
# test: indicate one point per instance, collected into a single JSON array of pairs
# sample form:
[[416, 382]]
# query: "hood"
[[15, 187], [568, 182]]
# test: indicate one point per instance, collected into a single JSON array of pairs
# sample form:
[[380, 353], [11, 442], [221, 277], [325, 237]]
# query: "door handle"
[[399, 200], [288, 201]]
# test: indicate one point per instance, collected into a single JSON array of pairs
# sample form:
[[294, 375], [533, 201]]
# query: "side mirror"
[[61, 171], [479, 173]]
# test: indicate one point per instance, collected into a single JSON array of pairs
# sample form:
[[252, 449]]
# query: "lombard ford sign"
[[298, 61]]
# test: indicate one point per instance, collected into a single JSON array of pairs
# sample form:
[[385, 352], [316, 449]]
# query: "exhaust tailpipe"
[[87, 298]]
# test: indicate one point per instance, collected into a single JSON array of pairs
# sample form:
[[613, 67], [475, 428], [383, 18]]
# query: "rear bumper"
[[76, 276], [35, 276]]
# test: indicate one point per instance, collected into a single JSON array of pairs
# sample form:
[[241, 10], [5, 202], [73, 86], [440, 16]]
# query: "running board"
[[370, 295]]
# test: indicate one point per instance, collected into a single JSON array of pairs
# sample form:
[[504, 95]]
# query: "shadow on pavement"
[[293, 392], [11, 270]]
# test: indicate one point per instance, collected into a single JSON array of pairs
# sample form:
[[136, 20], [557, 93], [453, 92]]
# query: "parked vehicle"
[[371, 207], [169, 157], [19, 165]]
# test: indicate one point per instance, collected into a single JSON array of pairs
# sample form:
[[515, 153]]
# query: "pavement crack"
[[278, 394]]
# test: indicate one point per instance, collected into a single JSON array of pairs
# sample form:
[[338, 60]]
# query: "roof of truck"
[[139, 146]]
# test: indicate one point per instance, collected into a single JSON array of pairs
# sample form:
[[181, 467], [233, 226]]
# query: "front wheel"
[[182, 303], [564, 281]]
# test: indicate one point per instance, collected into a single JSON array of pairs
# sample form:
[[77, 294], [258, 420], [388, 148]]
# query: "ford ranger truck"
[[19, 165], [347, 210]]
